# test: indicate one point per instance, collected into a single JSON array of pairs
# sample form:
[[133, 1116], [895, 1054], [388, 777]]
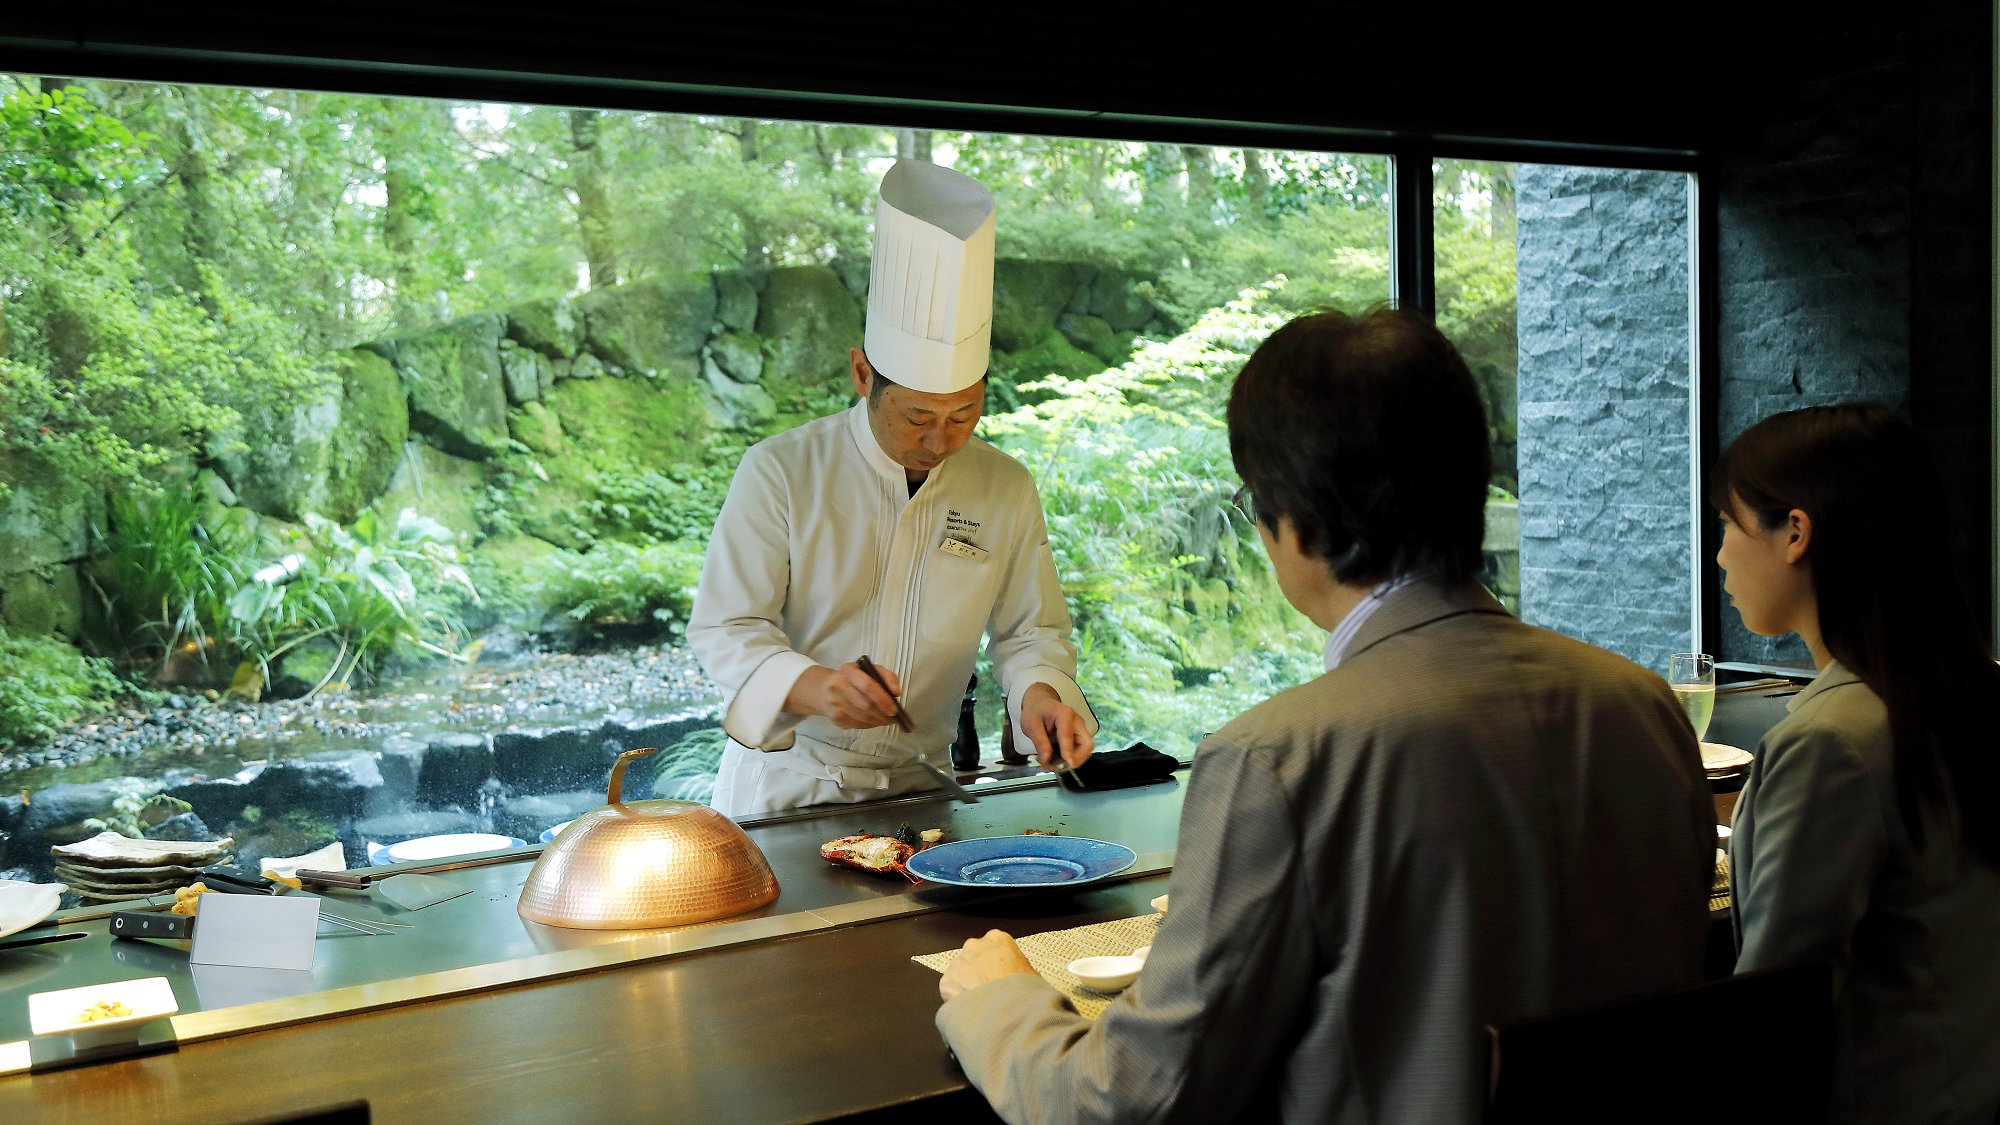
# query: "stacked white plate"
[[110, 867]]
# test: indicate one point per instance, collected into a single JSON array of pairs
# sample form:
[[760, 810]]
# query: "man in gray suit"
[[1466, 821]]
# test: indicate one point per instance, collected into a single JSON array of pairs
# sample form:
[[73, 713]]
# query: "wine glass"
[[1692, 676]]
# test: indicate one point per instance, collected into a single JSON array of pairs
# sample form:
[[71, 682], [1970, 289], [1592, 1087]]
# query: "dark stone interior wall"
[[1814, 254], [1854, 230]]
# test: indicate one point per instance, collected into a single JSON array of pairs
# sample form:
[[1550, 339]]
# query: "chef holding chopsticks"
[[887, 532]]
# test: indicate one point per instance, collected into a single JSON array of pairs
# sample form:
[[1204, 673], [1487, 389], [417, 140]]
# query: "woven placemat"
[[1718, 888], [1049, 952]]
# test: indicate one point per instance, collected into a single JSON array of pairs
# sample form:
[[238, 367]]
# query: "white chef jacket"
[[821, 555]]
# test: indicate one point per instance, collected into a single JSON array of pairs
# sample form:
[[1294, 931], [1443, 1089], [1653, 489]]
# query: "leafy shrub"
[[371, 588], [45, 683], [689, 773], [621, 584], [1178, 622], [166, 570]]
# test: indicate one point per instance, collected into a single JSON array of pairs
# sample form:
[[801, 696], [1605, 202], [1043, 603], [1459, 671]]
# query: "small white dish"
[[1720, 757], [1722, 832], [1160, 904], [62, 1012], [1143, 952], [1106, 974]]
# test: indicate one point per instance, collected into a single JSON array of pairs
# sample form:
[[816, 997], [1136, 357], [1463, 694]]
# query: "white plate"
[[1160, 904], [56, 1013], [24, 904], [549, 834], [1717, 757], [444, 847]]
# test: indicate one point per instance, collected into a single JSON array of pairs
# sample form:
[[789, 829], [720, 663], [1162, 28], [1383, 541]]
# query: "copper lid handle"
[[617, 792]]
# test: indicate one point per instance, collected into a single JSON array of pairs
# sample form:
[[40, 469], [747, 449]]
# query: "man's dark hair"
[[1369, 434]]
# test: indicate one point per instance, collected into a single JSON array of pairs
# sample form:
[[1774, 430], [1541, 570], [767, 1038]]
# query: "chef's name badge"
[[962, 549]]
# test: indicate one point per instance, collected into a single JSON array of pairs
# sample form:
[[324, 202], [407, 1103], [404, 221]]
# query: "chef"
[[887, 531]]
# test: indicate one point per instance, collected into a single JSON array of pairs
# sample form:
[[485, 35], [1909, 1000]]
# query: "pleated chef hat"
[[930, 285]]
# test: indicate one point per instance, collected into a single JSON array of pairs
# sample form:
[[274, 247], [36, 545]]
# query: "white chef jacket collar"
[[872, 452]]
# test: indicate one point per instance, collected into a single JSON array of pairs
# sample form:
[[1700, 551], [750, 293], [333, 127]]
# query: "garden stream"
[[500, 746]]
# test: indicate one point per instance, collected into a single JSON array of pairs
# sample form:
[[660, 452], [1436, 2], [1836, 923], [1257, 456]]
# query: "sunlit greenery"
[[175, 260]]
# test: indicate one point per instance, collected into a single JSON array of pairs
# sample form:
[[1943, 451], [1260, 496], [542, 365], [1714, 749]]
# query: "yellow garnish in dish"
[[188, 899], [104, 1010]]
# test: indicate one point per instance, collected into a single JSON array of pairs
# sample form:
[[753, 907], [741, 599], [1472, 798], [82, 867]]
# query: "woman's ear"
[[1798, 535]]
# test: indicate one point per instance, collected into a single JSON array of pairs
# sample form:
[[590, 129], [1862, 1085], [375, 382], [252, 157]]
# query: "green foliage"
[[138, 806], [372, 588], [1165, 582], [621, 584], [166, 568], [45, 683], [689, 772], [56, 148]]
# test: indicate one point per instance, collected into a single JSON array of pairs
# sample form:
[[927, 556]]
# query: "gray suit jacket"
[[1824, 870], [1469, 821]]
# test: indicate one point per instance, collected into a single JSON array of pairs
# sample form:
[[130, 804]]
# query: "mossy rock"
[[1095, 335], [44, 515], [645, 327], [625, 422], [537, 427], [739, 355], [440, 486], [808, 321], [1027, 298], [549, 327], [329, 449], [503, 566], [1052, 355], [458, 396], [1116, 296], [736, 298], [48, 600], [527, 372]]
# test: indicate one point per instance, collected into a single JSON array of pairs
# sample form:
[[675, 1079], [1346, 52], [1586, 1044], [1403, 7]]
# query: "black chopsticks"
[[902, 718]]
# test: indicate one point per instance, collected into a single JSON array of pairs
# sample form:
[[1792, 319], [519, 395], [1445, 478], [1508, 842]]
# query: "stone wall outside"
[[1606, 525]]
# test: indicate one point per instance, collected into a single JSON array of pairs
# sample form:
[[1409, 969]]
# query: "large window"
[[358, 454]]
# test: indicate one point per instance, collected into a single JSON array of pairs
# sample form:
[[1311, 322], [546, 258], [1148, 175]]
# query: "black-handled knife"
[[18, 941]]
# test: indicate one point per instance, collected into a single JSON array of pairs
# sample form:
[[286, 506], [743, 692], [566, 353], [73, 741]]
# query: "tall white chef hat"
[[930, 285]]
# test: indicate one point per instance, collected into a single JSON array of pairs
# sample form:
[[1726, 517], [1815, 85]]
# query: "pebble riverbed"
[[530, 689]]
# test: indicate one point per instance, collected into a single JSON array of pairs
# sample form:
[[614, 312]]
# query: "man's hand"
[[846, 695], [1054, 727], [983, 959]]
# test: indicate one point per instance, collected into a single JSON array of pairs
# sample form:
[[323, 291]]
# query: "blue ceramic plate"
[[549, 834], [1020, 861]]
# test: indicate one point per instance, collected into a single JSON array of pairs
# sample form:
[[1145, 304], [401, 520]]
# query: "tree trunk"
[[1200, 180], [203, 235], [593, 207], [1257, 184], [756, 240], [913, 144], [399, 219]]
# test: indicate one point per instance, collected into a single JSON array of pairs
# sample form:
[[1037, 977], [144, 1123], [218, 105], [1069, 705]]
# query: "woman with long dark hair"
[[1868, 833]]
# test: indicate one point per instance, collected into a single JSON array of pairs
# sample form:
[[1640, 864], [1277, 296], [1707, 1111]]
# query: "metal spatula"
[[408, 890]]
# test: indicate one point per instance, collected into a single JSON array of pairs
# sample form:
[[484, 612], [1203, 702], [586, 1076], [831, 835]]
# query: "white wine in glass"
[[1692, 676]]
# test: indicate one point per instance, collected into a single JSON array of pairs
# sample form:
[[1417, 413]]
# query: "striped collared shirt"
[[1343, 633]]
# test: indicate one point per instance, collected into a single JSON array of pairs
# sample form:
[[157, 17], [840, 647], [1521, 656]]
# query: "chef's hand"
[[983, 959], [846, 695], [1054, 727]]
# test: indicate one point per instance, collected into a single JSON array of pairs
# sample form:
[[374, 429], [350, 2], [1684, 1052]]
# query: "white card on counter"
[[962, 549], [255, 931]]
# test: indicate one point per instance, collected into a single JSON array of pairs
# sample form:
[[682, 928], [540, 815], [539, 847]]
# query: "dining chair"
[[1753, 1047]]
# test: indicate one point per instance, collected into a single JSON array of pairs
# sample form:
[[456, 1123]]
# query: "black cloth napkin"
[[1137, 764]]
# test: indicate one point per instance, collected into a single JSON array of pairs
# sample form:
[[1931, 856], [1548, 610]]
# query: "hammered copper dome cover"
[[645, 865]]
